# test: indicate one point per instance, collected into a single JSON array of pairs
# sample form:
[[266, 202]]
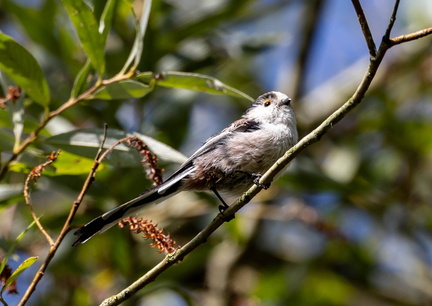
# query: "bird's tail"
[[111, 217]]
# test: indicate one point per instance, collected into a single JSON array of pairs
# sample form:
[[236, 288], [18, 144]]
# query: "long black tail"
[[108, 219]]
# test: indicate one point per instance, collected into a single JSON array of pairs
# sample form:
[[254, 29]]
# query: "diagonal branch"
[[201, 237], [314, 136], [409, 37], [391, 22], [66, 228], [365, 27]]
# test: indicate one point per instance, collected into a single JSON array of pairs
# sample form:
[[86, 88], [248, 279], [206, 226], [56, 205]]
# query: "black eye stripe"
[[269, 96]]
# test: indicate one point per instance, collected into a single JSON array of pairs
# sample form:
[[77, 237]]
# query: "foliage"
[[348, 224]]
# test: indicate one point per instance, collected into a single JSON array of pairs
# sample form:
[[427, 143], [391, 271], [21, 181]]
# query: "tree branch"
[[391, 22], [100, 156], [33, 176], [365, 27], [314, 136], [68, 104], [66, 227], [202, 237], [409, 37]]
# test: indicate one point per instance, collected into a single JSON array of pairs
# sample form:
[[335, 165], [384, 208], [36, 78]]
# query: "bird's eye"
[[267, 103]]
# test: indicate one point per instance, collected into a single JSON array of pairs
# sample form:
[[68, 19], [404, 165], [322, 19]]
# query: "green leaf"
[[123, 90], [107, 18], [86, 26], [13, 246], [70, 164], [19, 168], [21, 268], [86, 142], [140, 26], [104, 28], [191, 81], [81, 79], [22, 68]]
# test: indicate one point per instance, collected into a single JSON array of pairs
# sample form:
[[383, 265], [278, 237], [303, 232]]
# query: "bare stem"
[[365, 27], [391, 22], [32, 176], [66, 227], [409, 37], [68, 104]]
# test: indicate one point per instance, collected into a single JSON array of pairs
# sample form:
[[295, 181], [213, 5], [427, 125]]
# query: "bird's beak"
[[287, 101]]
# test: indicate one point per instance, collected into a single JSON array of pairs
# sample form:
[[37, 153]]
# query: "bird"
[[229, 162]]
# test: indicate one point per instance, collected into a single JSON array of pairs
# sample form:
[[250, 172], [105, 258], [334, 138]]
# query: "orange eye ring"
[[267, 103]]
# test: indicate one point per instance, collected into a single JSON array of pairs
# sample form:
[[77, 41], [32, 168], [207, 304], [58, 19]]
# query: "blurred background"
[[349, 223]]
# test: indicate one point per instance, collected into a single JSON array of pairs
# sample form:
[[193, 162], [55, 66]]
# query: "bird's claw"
[[224, 217], [256, 181]]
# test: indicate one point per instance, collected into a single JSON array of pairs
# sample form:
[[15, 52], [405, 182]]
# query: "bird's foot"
[[223, 207], [256, 179]]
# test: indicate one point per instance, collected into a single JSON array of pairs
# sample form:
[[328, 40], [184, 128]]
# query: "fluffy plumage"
[[227, 162]]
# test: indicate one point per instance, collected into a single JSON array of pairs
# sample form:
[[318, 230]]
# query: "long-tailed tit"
[[230, 161]]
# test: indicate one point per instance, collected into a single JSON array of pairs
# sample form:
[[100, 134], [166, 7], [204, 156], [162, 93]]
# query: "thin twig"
[[365, 28], [68, 104], [13, 94], [105, 133], [66, 227], [409, 37], [392, 21], [32, 176], [90, 178]]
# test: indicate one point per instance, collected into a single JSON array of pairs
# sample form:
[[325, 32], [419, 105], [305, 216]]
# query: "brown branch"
[[392, 21], [66, 227], [306, 141], [68, 104], [12, 95], [201, 237], [365, 28], [409, 37], [34, 174], [170, 260]]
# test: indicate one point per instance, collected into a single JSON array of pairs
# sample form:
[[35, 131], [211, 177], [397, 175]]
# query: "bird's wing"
[[241, 125]]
